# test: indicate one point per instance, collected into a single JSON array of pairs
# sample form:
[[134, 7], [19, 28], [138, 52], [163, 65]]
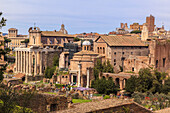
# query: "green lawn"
[[50, 93], [80, 101]]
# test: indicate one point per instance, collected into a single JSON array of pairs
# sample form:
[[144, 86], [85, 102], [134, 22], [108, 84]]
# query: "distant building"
[[15, 38], [117, 49], [136, 26], [67, 54], [145, 33], [81, 65], [43, 46], [150, 21], [158, 58]]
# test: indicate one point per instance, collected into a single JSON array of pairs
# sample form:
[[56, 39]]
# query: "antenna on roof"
[[34, 24]]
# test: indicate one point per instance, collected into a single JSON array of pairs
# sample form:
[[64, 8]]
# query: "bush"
[[58, 85], [106, 97], [104, 86], [76, 39], [136, 31]]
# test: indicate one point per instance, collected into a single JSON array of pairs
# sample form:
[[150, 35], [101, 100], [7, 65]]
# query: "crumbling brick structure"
[[44, 103]]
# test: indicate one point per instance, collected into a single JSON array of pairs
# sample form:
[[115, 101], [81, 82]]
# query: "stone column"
[[120, 84], [72, 78], [24, 62], [88, 73], [30, 63], [27, 61], [35, 65], [79, 74], [19, 62], [41, 63], [16, 61]]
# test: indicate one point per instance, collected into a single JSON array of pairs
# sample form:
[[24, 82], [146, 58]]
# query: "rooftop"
[[90, 107], [55, 33], [122, 41]]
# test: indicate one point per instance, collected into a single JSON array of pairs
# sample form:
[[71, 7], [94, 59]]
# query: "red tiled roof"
[[19, 75], [122, 41]]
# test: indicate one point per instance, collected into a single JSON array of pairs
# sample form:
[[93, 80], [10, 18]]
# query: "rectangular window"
[[132, 68], [156, 63], [97, 49], [114, 62], [164, 59]]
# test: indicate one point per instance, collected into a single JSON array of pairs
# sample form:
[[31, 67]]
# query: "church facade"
[[43, 46]]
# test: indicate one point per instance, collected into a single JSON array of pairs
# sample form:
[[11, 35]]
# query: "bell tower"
[[145, 33], [34, 37]]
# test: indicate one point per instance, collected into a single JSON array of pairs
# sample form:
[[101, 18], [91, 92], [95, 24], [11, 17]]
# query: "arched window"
[[98, 49], [103, 50], [34, 39]]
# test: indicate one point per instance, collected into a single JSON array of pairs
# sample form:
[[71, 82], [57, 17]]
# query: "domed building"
[[63, 30], [81, 66]]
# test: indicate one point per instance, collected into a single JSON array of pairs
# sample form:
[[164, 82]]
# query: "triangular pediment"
[[99, 39]]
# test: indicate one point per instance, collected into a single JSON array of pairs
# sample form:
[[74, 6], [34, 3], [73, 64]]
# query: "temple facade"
[[43, 46], [81, 66]]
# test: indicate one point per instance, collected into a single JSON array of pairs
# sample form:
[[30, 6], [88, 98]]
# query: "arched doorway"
[[124, 83], [117, 81]]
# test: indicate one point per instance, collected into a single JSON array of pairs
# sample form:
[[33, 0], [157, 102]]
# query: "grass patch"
[[106, 97], [59, 85], [97, 94], [80, 101], [50, 93]]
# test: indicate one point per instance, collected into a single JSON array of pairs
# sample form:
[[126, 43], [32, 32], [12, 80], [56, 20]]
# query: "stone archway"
[[124, 83], [117, 81]]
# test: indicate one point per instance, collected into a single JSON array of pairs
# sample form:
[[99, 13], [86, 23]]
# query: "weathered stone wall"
[[48, 57], [44, 103], [133, 108], [162, 56], [119, 54], [135, 63]]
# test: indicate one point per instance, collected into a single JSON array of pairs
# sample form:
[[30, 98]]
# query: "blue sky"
[[79, 16]]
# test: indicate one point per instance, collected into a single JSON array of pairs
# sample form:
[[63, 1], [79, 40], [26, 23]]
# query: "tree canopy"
[[136, 31], [76, 39], [106, 67], [2, 21], [49, 71], [2, 51], [147, 81], [104, 86]]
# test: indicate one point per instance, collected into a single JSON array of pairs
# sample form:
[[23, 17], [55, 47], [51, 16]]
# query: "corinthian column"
[[19, 62], [16, 61], [88, 72], [35, 65], [79, 74], [41, 63], [24, 62], [30, 63], [27, 61]]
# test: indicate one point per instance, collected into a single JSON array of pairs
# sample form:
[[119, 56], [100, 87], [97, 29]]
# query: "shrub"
[[106, 97]]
